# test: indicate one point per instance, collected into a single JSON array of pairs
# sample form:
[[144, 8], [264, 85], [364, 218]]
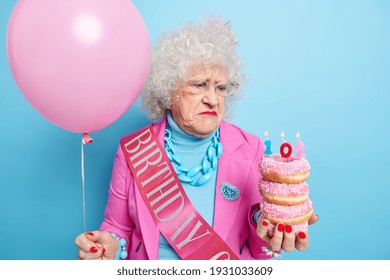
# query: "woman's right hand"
[[96, 245]]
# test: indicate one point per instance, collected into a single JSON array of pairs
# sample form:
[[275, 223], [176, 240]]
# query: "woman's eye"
[[222, 87], [200, 85]]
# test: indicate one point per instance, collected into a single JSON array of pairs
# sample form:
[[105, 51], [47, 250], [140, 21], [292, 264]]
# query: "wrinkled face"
[[199, 114]]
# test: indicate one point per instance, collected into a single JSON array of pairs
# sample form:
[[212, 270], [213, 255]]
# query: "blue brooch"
[[229, 191]]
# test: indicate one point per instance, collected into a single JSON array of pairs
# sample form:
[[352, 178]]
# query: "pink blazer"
[[127, 215]]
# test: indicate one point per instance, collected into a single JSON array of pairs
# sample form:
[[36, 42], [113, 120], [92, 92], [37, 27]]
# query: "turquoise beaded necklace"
[[205, 170]]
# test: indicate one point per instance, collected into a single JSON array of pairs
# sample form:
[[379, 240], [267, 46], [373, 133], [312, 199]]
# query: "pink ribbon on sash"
[[183, 227]]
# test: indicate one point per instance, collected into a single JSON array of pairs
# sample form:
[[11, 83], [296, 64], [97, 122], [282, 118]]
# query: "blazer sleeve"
[[116, 216]]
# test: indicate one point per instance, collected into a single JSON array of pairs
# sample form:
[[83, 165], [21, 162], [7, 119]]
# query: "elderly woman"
[[186, 186]]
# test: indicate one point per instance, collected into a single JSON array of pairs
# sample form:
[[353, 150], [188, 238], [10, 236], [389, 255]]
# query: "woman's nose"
[[211, 97]]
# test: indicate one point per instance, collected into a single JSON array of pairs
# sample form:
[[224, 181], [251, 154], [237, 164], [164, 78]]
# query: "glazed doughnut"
[[278, 169], [284, 194], [294, 215]]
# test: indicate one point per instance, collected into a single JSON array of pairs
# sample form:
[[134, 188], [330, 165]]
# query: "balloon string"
[[83, 184], [85, 140]]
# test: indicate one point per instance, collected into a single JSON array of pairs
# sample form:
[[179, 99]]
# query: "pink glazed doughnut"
[[278, 169], [283, 194], [294, 215]]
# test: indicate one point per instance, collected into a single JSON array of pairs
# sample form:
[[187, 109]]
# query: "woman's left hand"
[[284, 238]]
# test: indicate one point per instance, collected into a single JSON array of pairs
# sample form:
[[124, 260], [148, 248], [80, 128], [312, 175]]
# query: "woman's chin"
[[205, 131]]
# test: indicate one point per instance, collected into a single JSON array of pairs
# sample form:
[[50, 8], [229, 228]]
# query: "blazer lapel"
[[233, 171]]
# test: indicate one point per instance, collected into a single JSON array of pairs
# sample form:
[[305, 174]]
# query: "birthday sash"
[[183, 227]]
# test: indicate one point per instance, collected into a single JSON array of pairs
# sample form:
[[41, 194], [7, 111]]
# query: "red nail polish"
[[280, 227], [90, 233], [103, 251], [265, 223], [288, 228], [93, 249], [302, 235]]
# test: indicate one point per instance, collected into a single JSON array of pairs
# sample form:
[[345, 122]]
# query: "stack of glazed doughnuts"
[[285, 191]]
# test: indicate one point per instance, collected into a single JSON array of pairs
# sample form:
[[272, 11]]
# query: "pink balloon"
[[79, 63]]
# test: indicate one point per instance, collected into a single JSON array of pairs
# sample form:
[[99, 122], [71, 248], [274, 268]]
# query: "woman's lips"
[[209, 113]]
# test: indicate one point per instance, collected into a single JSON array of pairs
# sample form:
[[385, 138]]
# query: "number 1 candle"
[[267, 143]]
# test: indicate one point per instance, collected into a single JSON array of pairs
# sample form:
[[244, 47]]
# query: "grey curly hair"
[[209, 42]]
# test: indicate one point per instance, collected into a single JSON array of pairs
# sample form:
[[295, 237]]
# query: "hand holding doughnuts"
[[285, 192]]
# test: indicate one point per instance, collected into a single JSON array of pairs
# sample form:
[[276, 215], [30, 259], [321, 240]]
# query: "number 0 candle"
[[284, 146]]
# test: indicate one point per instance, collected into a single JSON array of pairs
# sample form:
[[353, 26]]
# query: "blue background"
[[320, 68]]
